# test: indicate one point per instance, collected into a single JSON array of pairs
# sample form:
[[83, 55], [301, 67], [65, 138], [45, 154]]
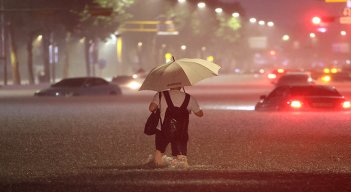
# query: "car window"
[[96, 82], [69, 83], [278, 92], [294, 78], [314, 91]]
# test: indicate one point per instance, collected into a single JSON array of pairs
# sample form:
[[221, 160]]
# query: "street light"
[[181, 1], [262, 23], [218, 10], [285, 37], [236, 14], [253, 20], [343, 33], [270, 24], [201, 5]]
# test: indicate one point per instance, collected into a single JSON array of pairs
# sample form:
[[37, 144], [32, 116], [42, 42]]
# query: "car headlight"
[[134, 85]]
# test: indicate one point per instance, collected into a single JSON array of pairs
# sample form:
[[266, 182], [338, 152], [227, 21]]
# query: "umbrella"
[[179, 73]]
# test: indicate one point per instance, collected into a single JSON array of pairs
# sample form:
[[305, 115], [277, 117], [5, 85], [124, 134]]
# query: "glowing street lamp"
[[285, 37], [201, 5], [270, 24], [183, 47], [343, 33], [261, 23], [181, 1], [236, 14], [253, 20], [218, 10]]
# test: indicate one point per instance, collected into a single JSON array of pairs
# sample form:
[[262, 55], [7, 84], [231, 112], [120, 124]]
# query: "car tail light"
[[296, 104], [281, 70], [326, 78], [346, 105], [272, 76]]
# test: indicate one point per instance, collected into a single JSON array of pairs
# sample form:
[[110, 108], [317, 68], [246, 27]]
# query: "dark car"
[[295, 78], [303, 98], [80, 86], [340, 77]]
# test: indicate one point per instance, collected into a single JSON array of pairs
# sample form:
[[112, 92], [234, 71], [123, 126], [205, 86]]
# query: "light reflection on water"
[[229, 107]]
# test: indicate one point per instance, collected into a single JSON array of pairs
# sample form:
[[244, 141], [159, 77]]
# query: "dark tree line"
[[57, 21]]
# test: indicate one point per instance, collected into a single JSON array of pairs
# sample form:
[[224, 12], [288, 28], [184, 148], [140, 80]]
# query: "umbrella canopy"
[[179, 73]]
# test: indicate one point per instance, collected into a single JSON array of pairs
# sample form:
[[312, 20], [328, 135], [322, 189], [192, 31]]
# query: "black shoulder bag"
[[152, 121]]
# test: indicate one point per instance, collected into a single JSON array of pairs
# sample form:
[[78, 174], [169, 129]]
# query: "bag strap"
[[159, 105], [186, 101], [168, 99]]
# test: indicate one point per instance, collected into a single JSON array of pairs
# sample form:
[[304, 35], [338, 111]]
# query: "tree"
[[30, 18], [57, 20], [98, 21]]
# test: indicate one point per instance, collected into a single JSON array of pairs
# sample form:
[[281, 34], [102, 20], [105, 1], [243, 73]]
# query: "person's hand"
[[152, 107], [199, 113]]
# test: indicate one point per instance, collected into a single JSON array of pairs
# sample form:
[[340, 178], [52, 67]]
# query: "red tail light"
[[346, 105], [296, 104]]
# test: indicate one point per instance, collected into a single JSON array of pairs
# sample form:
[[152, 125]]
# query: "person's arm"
[[199, 113], [152, 107]]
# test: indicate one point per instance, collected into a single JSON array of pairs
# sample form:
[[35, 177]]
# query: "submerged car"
[[295, 78], [80, 86], [303, 98]]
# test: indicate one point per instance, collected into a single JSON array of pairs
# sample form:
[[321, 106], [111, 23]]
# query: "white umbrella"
[[179, 73]]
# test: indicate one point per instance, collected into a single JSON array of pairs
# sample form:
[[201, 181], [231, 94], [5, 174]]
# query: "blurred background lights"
[[270, 24], [322, 29], [181, 1], [312, 35], [253, 20], [210, 58], [343, 33], [316, 20], [168, 57], [285, 37], [261, 23], [39, 38], [183, 47], [201, 5], [218, 10], [236, 14]]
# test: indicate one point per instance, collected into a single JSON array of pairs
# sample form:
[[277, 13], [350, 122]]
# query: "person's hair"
[[176, 88]]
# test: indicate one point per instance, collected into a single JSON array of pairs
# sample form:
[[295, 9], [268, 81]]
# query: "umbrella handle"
[[173, 59]]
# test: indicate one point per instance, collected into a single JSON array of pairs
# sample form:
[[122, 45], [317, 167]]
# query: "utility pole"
[[3, 40]]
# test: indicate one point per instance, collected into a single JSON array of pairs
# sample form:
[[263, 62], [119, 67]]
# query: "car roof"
[[309, 86], [296, 73], [306, 90], [82, 78]]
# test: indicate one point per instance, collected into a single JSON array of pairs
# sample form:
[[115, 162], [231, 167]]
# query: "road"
[[97, 144]]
